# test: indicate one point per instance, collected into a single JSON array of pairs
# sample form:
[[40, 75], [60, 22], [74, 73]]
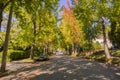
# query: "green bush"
[[97, 45], [37, 53], [17, 55], [100, 58], [116, 60], [118, 53]]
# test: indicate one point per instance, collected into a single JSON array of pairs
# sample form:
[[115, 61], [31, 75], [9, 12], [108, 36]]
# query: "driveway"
[[62, 68]]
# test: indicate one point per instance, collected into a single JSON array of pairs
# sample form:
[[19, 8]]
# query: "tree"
[[106, 50], [5, 48], [29, 14], [114, 33], [88, 13], [70, 30], [36, 16]]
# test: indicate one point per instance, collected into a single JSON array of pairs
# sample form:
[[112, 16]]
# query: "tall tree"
[[114, 33], [88, 12], [107, 53], [30, 14], [5, 48], [70, 29]]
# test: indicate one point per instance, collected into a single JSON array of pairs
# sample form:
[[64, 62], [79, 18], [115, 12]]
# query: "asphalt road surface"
[[62, 68]]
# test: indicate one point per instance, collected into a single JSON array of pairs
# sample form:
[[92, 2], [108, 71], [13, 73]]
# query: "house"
[[101, 41]]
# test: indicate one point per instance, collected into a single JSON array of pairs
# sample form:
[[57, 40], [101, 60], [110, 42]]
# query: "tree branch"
[[6, 5]]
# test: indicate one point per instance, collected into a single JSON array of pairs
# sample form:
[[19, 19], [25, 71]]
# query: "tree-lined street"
[[31, 31]]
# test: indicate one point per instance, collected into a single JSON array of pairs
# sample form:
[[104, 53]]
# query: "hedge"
[[17, 55]]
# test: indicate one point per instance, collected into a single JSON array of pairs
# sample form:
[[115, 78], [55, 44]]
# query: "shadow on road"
[[66, 68]]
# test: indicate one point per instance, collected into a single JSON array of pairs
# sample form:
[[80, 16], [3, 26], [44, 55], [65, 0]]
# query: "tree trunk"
[[1, 11], [5, 48], [32, 51], [0, 20], [45, 48], [106, 50], [33, 42], [79, 48], [73, 48], [48, 48]]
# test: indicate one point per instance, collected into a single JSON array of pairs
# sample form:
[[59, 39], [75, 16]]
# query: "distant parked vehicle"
[[42, 57], [58, 52]]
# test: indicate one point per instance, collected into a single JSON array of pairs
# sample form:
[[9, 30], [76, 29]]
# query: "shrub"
[[116, 61], [97, 45], [17, 55]]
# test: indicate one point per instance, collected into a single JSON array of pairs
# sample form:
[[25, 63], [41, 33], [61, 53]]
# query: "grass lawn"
[[100, 56]]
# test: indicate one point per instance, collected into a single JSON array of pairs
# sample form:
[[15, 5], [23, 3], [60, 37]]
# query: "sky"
[[61, 3]]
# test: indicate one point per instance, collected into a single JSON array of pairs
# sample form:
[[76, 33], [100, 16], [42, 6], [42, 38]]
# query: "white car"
[[58, 52]]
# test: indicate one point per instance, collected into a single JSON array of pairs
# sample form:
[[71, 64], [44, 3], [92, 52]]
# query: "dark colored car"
[[42, 57]]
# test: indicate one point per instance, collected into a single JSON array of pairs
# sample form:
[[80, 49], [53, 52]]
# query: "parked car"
[[42, 57], [58, 52]]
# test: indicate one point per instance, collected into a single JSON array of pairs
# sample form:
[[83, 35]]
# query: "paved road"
[[63, 68]]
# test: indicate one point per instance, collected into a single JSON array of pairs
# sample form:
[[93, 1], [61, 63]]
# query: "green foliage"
[[114, 33], [8, 59], [99, 56], [97, 46], [88, 13], [2, 34], [44, 14], [17, 55], [37, 51], [116, 61], [116, 53]]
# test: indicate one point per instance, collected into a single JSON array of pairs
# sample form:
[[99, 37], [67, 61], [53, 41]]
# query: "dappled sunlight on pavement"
[[65, 68]]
